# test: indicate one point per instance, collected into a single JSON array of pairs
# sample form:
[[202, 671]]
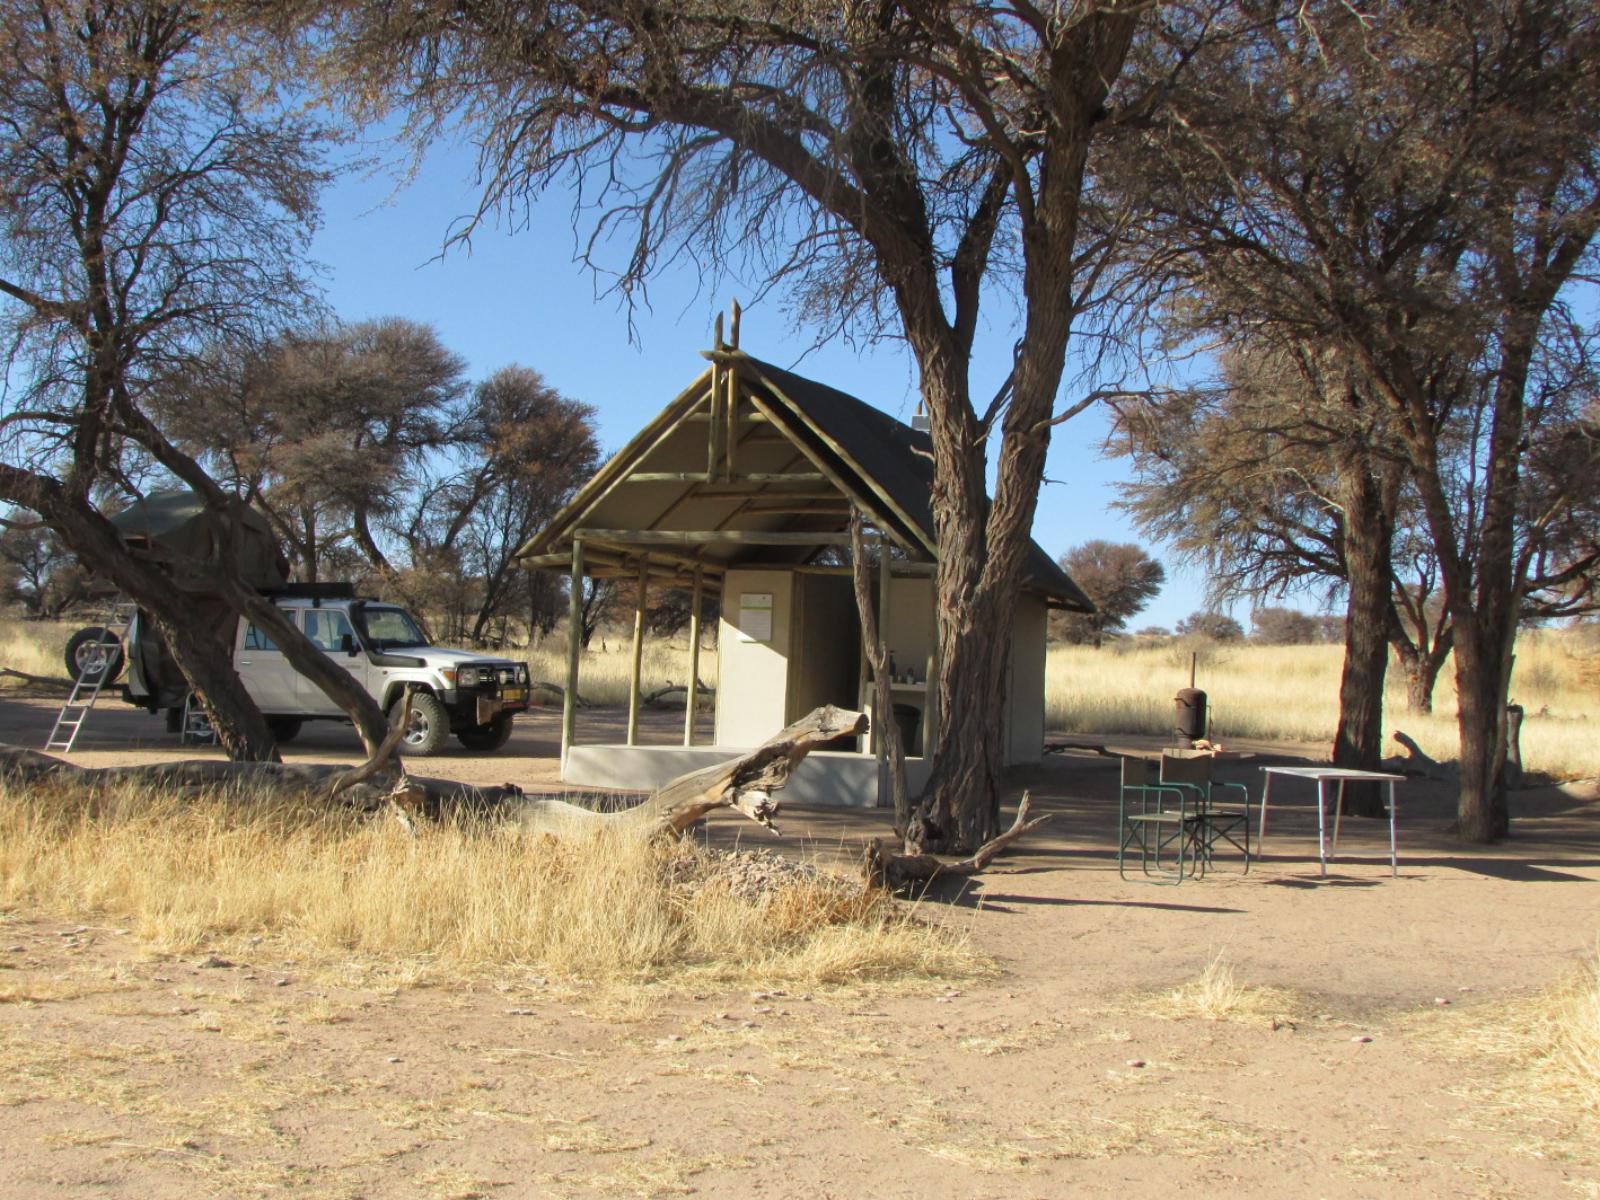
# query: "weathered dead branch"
[[655, 697], [544, 685], [49, 681], [383, 759], [886, 869], [1416, 761], [745, 784]]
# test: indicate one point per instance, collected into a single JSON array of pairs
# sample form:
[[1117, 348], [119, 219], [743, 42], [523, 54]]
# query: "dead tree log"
[[744, 784], [655, 697], [886, 869], [47, 681], [1417, 761], [544, 685]]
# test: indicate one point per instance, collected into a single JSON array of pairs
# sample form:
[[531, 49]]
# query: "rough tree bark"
[[1368, 534], [1421, 669]]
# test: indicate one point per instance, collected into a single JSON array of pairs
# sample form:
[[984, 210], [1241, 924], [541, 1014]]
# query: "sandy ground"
[[133, 1073]]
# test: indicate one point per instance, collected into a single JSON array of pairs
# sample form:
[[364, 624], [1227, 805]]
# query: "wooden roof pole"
[[878, 718], [694, 658], [569, 699], [640, 596], [714, 433]]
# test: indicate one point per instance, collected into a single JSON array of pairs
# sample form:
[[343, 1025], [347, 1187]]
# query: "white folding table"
[[1323, 777]]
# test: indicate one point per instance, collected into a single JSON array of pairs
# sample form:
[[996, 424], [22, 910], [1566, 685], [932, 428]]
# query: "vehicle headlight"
[[468, 676], [522, 673]]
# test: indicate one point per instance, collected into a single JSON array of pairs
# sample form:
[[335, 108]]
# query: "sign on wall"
[[755, 616]]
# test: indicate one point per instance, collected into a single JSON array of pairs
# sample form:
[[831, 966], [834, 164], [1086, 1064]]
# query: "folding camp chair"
[[1223, 818], [1159, 819]]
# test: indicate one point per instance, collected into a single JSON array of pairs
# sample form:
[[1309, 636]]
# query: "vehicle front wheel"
[[93, 653], [429, 725], [284, 729], [486, 738]]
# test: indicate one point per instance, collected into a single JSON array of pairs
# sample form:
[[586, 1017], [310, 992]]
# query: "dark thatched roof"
[[662, 481]]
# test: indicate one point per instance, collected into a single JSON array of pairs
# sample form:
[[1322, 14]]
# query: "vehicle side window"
[[254, 639], [327, 628]]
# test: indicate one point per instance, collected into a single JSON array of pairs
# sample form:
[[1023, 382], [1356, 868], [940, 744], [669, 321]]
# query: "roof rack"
[[313, 591]]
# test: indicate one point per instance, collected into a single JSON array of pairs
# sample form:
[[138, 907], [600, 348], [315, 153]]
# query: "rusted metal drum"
[[1190, 714]]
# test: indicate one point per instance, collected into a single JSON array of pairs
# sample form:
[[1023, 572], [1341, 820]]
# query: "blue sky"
[[522, 299]]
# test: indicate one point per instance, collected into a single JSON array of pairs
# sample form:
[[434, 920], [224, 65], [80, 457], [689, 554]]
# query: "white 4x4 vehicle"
[[383, 648]]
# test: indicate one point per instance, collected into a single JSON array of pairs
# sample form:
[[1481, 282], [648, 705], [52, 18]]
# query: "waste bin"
[[906, 716]]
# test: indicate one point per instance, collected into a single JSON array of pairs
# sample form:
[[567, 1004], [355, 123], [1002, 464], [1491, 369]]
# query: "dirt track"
[[134, 1073]]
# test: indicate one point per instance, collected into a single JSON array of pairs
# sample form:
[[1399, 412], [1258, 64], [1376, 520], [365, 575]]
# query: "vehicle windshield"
[[388, 628]]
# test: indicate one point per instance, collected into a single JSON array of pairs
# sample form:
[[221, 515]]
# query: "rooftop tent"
[[178, 530]]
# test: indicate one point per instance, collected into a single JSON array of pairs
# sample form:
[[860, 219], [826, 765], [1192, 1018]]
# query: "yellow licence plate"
[[510, 694]]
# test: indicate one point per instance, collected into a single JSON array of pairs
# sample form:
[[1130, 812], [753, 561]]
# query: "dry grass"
[[1535, 1062], [186, 873], [34, 647], [1290, 693], [605, 667], [1217, 995]]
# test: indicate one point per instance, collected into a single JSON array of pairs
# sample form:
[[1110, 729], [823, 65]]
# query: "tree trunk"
[[1368, 534], [1482, 813], [960, 807], [1421, 670]]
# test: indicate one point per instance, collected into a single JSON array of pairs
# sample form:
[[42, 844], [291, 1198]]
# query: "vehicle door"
[[329, 629], [265, 672]]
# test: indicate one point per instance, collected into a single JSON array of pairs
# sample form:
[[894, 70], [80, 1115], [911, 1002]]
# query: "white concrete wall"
[[823, 778], [1025, 718], [753, 677]]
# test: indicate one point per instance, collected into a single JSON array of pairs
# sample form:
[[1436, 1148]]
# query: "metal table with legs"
[[1324, 776]]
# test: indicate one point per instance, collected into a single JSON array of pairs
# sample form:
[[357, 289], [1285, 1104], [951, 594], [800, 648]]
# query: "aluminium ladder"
[[86, 684], [197, 726]]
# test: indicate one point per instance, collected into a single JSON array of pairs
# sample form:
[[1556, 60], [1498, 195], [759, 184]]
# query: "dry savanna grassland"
[[233, 995], [1263, 693]]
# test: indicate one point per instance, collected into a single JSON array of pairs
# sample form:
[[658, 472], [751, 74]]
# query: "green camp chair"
[[1160, 820], [1224, 818]]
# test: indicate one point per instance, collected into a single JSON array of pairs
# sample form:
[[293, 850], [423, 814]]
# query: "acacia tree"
[[43, 575], [518, 451], [144, 207], [323, 429], [885, 163], [1119, 577], [1419, 188], [1274, 479]]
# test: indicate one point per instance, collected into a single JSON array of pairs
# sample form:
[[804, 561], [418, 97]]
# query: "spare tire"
[[93, 655]]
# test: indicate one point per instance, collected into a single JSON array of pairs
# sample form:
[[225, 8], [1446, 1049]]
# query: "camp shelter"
[[744, 483]]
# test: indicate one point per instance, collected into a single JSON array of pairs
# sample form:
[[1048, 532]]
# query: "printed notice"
[[755, 616]]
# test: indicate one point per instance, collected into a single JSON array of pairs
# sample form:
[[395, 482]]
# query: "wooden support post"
[[884, 798], [569, 700], [638, 650], [694, 659], [730, 441]]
